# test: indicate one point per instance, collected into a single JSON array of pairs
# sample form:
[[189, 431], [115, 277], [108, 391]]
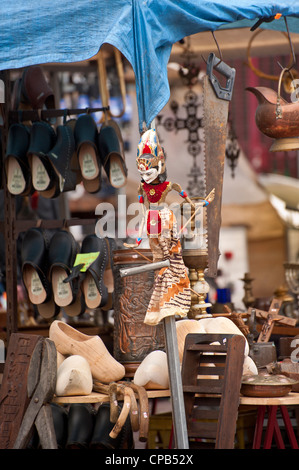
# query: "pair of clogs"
[[54, 280], [93, 271], [39, 159], [97, 150], [46, 261], [71, 342]]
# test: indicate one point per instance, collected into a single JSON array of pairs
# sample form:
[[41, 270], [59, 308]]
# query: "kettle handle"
[[278, 112]]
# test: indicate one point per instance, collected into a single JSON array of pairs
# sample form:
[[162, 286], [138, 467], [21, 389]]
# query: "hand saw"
[[216, 100]]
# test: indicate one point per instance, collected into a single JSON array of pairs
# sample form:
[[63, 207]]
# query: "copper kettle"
[[277, 118]]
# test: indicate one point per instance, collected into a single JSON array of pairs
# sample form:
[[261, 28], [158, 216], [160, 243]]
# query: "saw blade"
[[215, 116]]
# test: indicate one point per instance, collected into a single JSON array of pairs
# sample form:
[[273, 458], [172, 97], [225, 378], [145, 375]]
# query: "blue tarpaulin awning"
[[34, 32]]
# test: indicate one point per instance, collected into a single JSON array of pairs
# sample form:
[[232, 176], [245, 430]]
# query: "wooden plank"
[[206, 430], [209, 358], [200, 413], [206, 370], [208, 401], [205, 386], [206, 347], [13, 394], [230, 398]]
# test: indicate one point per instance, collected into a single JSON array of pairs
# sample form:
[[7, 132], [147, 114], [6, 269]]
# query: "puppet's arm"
[[182, 193]]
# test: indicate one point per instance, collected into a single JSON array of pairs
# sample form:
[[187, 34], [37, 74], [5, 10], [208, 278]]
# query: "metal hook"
[[218, 48]]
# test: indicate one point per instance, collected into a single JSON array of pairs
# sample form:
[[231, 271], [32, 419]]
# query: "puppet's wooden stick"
[[209, 198]]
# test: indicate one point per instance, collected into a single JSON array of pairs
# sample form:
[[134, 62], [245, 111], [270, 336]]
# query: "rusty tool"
[[216, 100], [41, 382], [120, 391], [143, 410]]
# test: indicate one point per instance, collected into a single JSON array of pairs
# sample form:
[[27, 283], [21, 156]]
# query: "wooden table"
[[271, 405], [96, 397]]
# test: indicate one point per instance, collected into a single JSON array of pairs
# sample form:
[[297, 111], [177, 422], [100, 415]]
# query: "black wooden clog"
[[62, 254], [60, 156], [17, 170], [42, 140], [112, 156], [93, 286], [34, 256], [86, 135]]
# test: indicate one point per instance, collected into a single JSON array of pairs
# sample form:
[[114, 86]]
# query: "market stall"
[[145, 34]]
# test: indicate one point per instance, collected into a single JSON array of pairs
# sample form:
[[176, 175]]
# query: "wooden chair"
[[211, 377]]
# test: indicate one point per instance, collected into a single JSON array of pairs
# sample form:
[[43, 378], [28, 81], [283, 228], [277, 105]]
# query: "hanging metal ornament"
[[232, 150], [193, 124]]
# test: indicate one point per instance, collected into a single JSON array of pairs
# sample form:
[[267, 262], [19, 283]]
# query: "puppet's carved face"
[[149, 175], [150, 157], [147, 170]]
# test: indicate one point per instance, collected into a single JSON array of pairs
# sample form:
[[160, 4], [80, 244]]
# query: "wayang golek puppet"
[[171, 295]]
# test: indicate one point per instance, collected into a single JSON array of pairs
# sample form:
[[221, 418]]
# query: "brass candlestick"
[[248, 299], [292, 278]]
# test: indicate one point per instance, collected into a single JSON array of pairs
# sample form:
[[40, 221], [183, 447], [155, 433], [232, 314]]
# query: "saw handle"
[[224, 93]]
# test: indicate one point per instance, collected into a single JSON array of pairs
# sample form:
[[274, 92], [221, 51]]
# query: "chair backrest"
[[211, 376]]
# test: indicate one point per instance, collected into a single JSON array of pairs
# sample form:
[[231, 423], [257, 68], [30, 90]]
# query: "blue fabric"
[[43, 31]]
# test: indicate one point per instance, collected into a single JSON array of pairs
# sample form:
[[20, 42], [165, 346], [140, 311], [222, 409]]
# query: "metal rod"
[[175, 383], [37, 115], [146, 267]]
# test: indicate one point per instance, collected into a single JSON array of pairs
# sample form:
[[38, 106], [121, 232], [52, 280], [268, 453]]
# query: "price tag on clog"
[[86, 259]]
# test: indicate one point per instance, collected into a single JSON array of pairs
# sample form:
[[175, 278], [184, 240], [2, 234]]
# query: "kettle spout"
[[265, 95]]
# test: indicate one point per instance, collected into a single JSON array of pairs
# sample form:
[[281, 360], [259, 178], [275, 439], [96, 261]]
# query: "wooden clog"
[[93, 284], [74, 377], [62, 254], [15, 162], [222, 325], [112, 155], [34, 266], [86, 134], [69, 341], [42, 139], [152, 373], [183, 328]]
